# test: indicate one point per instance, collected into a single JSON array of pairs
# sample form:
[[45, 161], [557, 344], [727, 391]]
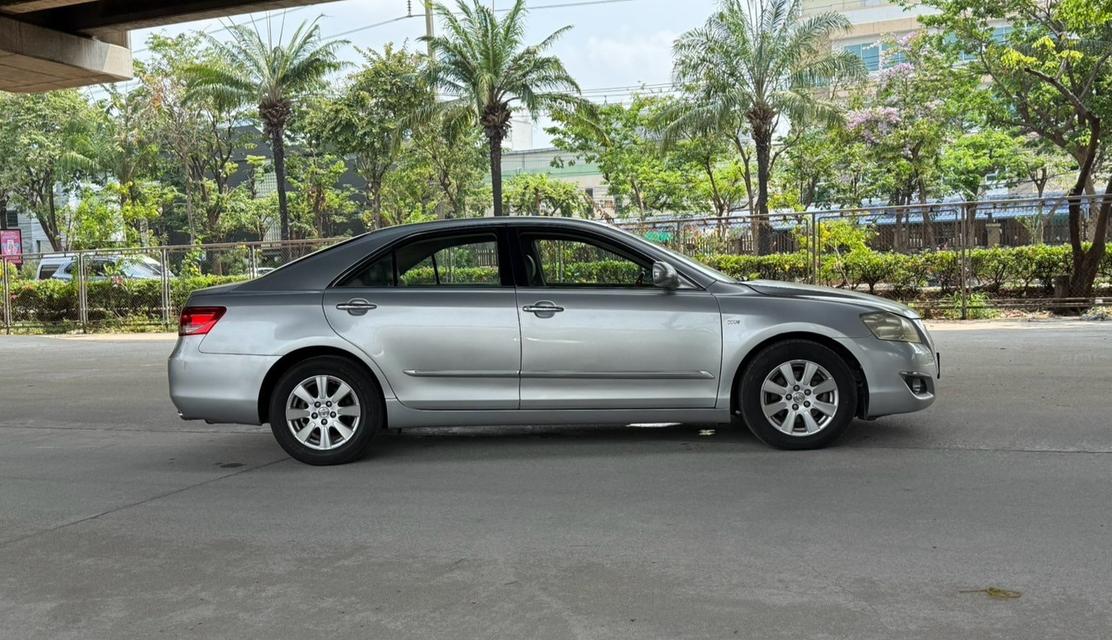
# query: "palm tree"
[[755, 61], [484, 68], [250, 69]]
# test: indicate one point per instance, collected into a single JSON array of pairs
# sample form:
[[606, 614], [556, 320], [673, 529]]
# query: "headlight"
[[889, 326]]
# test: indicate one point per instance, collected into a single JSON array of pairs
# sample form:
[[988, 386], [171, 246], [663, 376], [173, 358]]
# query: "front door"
[[596, 333], [438, 316]]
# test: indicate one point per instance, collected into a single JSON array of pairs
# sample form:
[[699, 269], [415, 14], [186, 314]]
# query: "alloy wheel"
[[799, 398], [322, 412]]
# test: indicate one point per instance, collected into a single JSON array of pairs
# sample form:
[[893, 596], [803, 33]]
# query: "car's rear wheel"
[[798, 394], [325, 410]]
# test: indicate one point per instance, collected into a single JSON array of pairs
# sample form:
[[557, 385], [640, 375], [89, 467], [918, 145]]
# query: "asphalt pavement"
[[117, 520]]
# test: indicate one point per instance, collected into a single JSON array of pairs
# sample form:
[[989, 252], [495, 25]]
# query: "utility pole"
[[430, 25]]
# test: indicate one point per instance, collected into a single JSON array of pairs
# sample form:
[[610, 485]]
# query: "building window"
[[869, 52], [1000, 34]]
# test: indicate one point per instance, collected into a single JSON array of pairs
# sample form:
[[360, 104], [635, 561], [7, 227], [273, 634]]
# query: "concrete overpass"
[[55, 44]]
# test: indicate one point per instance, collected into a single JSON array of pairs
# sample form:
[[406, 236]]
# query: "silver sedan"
[[499, 321]]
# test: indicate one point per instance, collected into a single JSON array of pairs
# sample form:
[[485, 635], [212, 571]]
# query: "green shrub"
[[180, 288], [942, 269], [908, 275], [43, 301], [424, 276], [870, 268], [1040, 263], [778, 266], [1106, 264], [55, 301], [994, 267]]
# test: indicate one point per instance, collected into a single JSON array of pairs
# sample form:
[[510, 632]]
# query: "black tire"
[[370, 419], [751, 396]]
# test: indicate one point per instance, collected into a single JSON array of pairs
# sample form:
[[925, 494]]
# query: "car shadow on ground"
[[541, 441], [526, 442]]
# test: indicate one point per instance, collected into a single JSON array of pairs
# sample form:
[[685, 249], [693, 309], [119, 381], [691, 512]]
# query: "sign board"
[[11, 246]]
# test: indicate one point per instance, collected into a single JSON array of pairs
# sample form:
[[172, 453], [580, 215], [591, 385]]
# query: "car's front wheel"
[[325, 410], [798, 394]]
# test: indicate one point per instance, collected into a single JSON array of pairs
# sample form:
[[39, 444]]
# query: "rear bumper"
[[888, 367], [216, 387]]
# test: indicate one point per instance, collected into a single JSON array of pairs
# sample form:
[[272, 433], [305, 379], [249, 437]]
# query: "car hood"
[[816, 292]]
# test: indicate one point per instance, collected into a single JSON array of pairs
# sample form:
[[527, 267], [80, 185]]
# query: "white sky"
[[612, 47]]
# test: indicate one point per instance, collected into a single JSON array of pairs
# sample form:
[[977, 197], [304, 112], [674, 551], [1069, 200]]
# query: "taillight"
[[197, 321]]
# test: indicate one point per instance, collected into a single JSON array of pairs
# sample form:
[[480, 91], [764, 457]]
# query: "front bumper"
[[216, 387], [892, 369]]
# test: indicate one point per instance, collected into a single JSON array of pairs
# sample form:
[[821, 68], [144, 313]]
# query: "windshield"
[[680, 259]]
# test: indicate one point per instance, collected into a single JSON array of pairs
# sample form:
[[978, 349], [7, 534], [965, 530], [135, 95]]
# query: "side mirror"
[[665, 276]]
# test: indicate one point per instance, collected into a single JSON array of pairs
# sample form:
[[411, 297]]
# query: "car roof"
[[317, 270]]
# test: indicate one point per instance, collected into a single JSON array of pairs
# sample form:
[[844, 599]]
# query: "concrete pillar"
[[993, 233]]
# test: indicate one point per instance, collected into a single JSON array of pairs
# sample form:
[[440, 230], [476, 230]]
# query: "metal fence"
[[904, 228], [917, 229], [146, 287], [130, 287]]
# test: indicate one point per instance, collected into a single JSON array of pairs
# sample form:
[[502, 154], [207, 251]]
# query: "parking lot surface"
[[117, 520]]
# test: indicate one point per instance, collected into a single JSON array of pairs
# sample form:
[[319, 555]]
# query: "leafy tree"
[[320, 206], [196, 135], [246, 209], [373, 117], [536, 194], [619, 140], [698, 144], [453, 160], [755, 62], [1050, 74], [131, 156], [9, 166], [249, 69], [969, 161], [810, 167], [918, 104], [54, 143], [483, 64]]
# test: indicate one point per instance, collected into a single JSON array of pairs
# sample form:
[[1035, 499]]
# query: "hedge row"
[[569, 272], [55, 301], [1018, 270]]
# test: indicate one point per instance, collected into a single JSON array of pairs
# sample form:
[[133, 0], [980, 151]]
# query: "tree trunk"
[[928, 223], [278, 149], [761, 125], [51, 221], [374, 198], [494, 136], [721, 208], [1086, 264]]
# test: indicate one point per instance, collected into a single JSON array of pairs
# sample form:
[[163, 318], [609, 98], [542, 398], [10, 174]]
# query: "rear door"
[[437, 313], [596, 333]]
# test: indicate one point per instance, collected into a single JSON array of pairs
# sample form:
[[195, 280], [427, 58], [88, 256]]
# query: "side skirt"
[[399, 416]]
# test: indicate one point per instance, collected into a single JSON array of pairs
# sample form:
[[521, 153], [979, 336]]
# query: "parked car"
[[100, 267], [501, 321]]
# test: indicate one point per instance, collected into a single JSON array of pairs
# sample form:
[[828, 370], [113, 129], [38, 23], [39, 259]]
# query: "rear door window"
[[470, 260]]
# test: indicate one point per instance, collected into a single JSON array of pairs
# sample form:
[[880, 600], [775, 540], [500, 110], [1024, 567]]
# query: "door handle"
[[356, 306], [543, 308]]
